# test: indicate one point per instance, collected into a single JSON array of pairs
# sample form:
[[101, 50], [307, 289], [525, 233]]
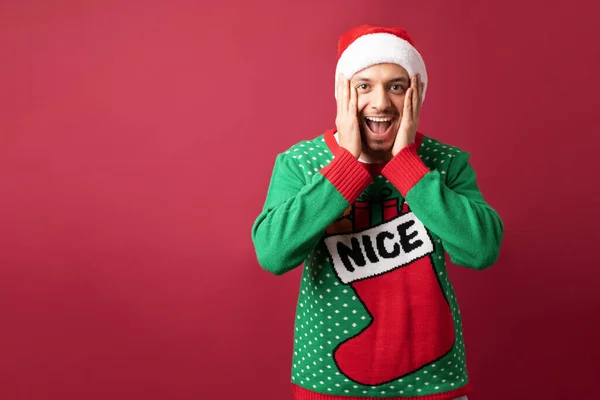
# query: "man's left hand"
[[410, 115]]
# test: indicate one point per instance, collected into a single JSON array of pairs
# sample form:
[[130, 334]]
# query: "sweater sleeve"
[[299, 208], [453, 209]]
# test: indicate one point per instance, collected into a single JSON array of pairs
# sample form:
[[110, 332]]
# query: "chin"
[[379, 143], [378, 146]]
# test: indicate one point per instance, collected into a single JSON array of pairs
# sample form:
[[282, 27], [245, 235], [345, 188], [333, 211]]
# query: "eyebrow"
[[399, 79]]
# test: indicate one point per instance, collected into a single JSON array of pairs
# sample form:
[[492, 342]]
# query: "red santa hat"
[[366, 45]]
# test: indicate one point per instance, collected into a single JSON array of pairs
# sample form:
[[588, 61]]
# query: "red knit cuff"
[[347, 175], [405, 169]]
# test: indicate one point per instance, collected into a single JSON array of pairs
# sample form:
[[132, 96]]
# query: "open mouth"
[[379, 125]]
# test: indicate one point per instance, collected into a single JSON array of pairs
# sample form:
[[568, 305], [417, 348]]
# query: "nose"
[[380, 100]]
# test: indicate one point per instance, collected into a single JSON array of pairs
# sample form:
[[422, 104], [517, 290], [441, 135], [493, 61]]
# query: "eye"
[[397, 88], [362, 86]]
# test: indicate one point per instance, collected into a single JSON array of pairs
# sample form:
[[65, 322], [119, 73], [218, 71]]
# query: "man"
[[371, 208]]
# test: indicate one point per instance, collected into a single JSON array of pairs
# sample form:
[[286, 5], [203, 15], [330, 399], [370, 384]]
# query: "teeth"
[[375, 119]]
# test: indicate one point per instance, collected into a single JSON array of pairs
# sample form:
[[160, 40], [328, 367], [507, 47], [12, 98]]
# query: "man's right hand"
[[347, 116]]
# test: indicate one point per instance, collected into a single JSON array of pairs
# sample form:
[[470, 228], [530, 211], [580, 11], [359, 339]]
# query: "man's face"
[[381, 89]]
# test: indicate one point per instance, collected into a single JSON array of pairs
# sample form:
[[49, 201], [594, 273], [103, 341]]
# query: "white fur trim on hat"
[[378, 48]]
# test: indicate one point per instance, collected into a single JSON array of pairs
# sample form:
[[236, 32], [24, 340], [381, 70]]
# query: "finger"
[[420, 85], [406, 110], [352, 105], [408, 103], [415, 98], [346, 94], [338, 92]]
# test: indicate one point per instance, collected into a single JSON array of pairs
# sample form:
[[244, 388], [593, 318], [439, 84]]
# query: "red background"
[[136, 145]]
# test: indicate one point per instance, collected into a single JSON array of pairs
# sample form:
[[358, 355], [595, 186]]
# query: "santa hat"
[[366, 45]]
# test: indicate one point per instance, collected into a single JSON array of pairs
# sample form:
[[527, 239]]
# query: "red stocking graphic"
[[412, 322]]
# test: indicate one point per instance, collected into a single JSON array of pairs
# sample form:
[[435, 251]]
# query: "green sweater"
[[376, 316]]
